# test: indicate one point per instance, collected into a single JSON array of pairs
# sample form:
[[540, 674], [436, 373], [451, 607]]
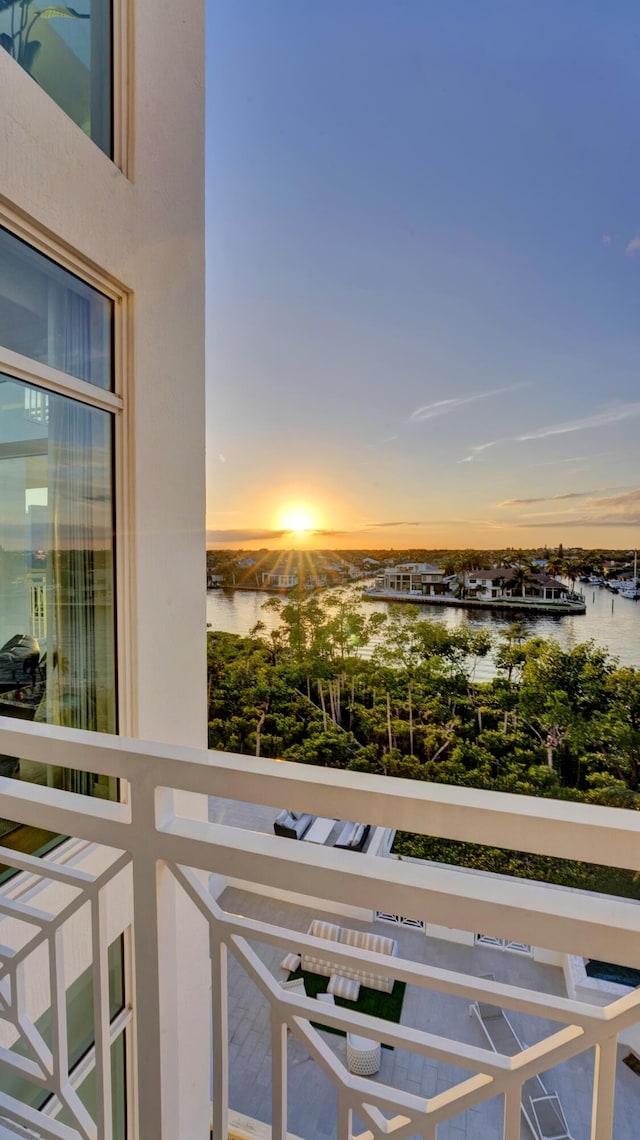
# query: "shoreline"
[[537, 605]]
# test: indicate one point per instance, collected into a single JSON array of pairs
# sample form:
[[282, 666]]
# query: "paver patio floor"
[[312, 1098]]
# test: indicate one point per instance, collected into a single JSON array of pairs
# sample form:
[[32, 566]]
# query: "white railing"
[[156, 838]]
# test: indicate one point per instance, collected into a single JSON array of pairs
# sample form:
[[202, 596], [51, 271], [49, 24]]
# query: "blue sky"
[[420, 242]]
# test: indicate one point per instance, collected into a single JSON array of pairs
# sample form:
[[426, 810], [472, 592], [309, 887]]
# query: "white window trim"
[[118, 404]]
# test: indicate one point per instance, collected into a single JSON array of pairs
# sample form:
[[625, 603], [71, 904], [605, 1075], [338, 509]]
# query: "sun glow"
[[298, 518]]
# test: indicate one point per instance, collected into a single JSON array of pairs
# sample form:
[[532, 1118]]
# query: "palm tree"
[[555, 566], [521, 577]]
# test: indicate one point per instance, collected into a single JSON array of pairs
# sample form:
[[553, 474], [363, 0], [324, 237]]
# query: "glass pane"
[[87, 1093], [80, 1030], [51, 316], [57, 644], [67, 50]]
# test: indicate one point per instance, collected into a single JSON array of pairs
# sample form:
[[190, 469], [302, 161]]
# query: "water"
[[611, 621]]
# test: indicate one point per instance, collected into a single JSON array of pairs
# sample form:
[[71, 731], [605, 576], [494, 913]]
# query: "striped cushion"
[[319, 962], [290, 962], [317, 965], [320, 929], [343, 987], [376, 943]]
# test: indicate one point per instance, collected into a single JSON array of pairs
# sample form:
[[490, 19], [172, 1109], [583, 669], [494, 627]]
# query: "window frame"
[[118, 404], [122, 28]]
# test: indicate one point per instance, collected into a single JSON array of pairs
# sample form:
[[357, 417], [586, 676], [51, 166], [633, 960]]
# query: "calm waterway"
[[611, 621]]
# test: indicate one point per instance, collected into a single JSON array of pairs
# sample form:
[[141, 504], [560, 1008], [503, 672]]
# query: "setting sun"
[[299, 518]]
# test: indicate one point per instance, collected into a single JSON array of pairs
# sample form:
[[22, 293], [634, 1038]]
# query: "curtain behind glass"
[[80, 667]]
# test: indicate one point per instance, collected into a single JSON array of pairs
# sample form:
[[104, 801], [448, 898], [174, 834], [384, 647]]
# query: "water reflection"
[[611, 621]]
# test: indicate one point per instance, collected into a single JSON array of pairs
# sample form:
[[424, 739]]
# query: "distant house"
[[488, 584], [275, 580], [413, 578]]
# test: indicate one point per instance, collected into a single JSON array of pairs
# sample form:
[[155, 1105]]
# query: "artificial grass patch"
[[374, 1002]]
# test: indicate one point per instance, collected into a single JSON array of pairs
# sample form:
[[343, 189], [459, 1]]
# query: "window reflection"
[[67, 50], [51, 316], [57, 649]]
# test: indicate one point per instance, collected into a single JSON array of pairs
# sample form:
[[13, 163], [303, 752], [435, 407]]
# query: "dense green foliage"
[[552, 722]]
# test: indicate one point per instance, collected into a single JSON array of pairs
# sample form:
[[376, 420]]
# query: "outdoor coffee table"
[[319, 831]]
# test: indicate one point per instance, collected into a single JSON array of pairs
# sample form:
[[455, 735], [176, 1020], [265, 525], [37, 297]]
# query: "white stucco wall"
[[146, 233]]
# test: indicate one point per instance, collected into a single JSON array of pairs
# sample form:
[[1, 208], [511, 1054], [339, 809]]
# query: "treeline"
[[552, 722]]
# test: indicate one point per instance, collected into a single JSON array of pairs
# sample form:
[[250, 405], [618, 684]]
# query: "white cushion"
[[290, 962], [343, 987]]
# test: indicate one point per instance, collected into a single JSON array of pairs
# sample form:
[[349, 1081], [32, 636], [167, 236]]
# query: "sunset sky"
[[423, 273]]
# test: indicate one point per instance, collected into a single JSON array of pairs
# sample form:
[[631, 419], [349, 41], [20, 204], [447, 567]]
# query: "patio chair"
[[549, 1118], [296, 985]]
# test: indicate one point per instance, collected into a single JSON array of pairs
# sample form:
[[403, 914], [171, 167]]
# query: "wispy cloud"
[[443, 407], [259, 534], [478, 449], [600, 511], [571, 459], [244, 534], [379, 442], [546, 499], [632, 247], [377, 525], [607, 239], [587, 423], [616, 414]]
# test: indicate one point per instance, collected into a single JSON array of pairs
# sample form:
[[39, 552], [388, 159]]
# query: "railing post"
[[152, 1093], [512, 1113], [171, 988], [278, 1077], [345, 1117], [604, 1085], [220, 1007]]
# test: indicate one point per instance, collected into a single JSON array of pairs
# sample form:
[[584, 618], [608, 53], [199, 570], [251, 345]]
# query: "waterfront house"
[[413, 578], [498, 583], [279, 580]]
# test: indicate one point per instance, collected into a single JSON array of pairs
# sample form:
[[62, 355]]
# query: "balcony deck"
[[156, 868], [312, 1099]]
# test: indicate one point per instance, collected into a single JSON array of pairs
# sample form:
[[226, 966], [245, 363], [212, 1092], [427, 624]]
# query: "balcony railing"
[[153, 854]]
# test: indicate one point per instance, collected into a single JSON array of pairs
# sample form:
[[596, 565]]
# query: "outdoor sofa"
[[352, 837], [292, 825], [345, 981]]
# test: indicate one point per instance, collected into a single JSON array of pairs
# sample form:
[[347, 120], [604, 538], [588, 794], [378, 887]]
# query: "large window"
[[57, 605], [68, 51], [51, 316], [57, 570]]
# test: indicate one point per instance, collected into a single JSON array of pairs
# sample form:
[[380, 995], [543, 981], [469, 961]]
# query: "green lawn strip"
[[374, 1002]]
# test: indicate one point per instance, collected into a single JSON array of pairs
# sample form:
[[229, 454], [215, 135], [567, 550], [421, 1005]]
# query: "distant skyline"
[[423, 273]]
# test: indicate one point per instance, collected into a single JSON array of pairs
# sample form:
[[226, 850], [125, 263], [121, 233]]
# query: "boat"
[[631, 589]]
